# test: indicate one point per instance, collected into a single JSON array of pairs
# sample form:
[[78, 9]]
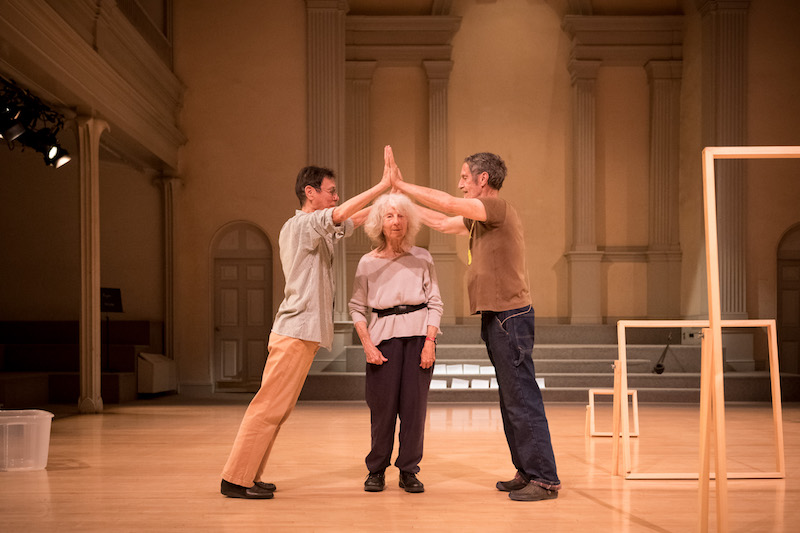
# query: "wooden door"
[[789, 315], [242, 307]]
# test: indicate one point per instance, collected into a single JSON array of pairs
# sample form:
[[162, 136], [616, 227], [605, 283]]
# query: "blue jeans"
[[509, 340]]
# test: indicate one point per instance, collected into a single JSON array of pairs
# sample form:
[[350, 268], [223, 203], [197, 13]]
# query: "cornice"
[[400, 38], [625, 40]]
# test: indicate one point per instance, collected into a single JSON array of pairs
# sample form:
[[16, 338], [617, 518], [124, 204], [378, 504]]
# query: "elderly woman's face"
[[395, 224]]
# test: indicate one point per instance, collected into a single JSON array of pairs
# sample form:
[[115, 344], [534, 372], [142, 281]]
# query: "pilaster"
[[663, 254], [359, 81], [442, 246], [326, 106], [724, 55], [584, 259]]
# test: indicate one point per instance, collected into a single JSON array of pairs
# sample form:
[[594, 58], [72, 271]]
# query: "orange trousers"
[[287, 366]]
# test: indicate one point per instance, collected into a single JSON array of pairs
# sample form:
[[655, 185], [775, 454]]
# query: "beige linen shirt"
[[306, 243]]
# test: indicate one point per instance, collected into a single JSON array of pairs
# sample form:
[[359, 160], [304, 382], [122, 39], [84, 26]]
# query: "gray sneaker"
[[533, 493]]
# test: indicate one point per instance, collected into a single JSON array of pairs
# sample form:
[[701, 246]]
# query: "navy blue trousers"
[[509, 340]]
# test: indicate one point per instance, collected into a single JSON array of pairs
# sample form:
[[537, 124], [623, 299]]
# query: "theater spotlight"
[[11, 126], [57, 157], [44, 141], [29, 122]]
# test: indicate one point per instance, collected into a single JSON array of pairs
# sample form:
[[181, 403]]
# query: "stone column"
[[442, 246], [724, 62], [724, 54], [584, 258], [89, 132], [663, 254], [326, 103]]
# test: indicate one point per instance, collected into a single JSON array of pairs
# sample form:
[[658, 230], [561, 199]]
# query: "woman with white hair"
[[397, 282]]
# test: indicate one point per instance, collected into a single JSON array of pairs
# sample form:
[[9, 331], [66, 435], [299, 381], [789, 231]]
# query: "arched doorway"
[[242, 305], [789, 301]]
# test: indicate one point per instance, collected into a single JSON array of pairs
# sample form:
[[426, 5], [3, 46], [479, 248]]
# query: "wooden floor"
[[154, 466]]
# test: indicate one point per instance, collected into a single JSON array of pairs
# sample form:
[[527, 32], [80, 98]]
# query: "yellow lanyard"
[[469, 249]]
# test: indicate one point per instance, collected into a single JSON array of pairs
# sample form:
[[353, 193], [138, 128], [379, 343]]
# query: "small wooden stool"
[[590, 425]]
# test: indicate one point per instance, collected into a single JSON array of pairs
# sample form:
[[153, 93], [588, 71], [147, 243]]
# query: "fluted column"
[[169, 186], [326, 104], [359, 81], [724, 26], [442, 246], [583, 258], [89, 132], [663, 254]]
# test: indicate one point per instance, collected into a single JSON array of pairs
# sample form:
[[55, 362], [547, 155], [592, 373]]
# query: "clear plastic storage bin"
[[24, 439]]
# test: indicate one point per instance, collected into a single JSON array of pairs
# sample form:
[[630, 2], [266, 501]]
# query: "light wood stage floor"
[[154, 465]]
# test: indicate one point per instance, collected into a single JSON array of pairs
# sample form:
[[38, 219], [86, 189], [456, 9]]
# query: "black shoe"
[[410, 483], [517, 483], [237, 491], [266, 486], [375, 482]]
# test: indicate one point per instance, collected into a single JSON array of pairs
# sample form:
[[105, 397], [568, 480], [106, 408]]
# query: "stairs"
[[569, 359]]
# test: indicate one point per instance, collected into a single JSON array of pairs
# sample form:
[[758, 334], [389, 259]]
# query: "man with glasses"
[[304, 321], [497, 285]]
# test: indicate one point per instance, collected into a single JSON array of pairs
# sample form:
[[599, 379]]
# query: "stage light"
[[57, 157], [45, 142], [26, 120], [11, 125]]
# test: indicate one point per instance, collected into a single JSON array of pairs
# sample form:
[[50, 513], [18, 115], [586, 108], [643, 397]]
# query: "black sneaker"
[[375, 482], [410, 483]]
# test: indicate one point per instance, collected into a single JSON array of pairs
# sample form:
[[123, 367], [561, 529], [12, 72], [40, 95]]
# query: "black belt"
[[399, 310]]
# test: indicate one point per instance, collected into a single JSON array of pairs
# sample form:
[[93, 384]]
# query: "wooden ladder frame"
[[712, 394]]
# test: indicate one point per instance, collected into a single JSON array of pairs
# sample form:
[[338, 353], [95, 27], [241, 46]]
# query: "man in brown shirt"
[[498, 289]]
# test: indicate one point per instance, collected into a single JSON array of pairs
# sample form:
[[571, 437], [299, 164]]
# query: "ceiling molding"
[[400, 39]]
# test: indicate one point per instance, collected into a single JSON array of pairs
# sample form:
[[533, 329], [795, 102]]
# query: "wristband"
[[432, 339]]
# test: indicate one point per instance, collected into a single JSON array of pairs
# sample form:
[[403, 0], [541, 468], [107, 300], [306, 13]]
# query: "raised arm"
[[354, 204], [361, 216], [471, 208], [441, 222]]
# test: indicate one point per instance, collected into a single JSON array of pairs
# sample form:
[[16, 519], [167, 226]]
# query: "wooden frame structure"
[[591, 429], [621, 430], [712, 394]]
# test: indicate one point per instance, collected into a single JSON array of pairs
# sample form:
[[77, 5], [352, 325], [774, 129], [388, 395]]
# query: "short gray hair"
[[373, 226]]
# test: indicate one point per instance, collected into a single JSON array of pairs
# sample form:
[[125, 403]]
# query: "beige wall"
[[131, 243], [509, 93], [244, 115], [39, 237]]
